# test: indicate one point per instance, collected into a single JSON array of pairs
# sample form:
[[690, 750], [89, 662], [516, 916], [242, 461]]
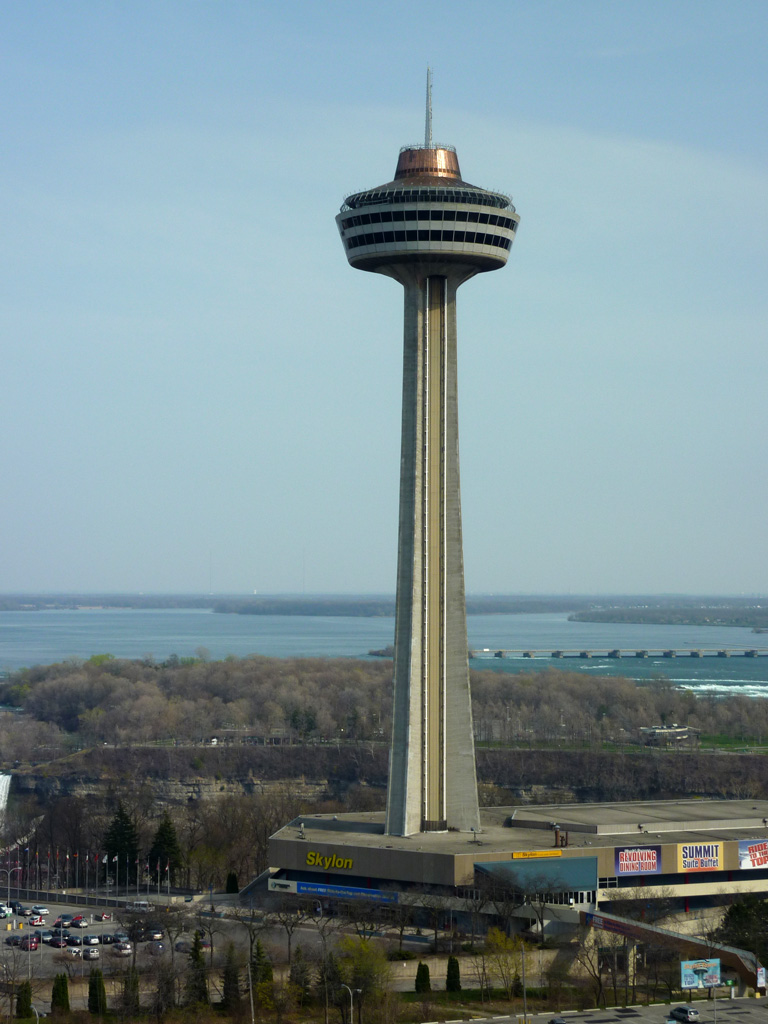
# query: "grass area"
[[717, 741]]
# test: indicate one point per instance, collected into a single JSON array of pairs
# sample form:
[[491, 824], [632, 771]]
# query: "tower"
[[431, 231]]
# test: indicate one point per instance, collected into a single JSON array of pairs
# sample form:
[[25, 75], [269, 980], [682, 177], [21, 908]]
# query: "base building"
[[567, 858]]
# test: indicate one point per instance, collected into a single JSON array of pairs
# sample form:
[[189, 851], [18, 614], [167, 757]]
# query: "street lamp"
[[8, 872], [351, 1006]]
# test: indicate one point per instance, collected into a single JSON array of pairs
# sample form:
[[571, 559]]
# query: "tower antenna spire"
[[428, 123]]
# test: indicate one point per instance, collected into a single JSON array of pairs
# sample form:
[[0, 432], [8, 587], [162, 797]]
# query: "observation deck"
[[427, 213]]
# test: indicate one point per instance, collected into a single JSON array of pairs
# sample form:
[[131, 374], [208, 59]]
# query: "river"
[[29, 638]]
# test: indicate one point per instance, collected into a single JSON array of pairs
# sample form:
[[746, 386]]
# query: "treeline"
[[749, 614], [209, 839], [310, 700], [492, 604]]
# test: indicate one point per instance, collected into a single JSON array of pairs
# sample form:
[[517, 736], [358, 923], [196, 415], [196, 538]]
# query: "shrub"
[[453, 976], [423, 983]]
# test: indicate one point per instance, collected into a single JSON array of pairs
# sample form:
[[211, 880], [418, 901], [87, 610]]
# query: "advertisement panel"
[[699, 973], [344, 892], [638, 860], [699, 856], [753, 853]]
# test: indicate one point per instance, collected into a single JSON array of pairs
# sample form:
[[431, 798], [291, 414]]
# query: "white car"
[[40, 911]]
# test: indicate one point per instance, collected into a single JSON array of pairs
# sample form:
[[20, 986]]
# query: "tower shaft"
[[432, 782], [431, 231]]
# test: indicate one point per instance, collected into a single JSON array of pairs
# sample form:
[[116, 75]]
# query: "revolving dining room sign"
[[638, 860]]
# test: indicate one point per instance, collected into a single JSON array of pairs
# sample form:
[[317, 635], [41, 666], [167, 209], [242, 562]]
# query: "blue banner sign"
[[344, 892]]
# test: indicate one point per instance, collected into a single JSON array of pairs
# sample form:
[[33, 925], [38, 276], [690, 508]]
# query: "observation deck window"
[[386, 237]]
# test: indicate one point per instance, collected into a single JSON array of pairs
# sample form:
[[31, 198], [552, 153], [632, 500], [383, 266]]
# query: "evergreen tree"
[[232, 886], [60, 995], [329, 981], [164, 998], [166, 849], [24, 1000], [122, 841], [97, 994], [130, 998], [299, 975], [261, 965], [423, 983], [453, 976], [230, 981], [197, 982]]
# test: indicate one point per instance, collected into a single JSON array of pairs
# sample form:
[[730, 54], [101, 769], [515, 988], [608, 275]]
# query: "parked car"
[[89, 953], [13, 940], [58, 942], [40, 909], [44, 936], [63, 921], [30, 942], [24, 911], [183, 946], [155, 934], [74, 940], [79, 922], [122, 937], [73, 951], [5, 911], [156, 948], [107, 939], [15, 905], [36, 920], [122, 949], [685, 1013]]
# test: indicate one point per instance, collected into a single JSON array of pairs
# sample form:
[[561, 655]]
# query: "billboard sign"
[[344, 892], [699, 856], [753, 853], [699, 973], [638, 860]]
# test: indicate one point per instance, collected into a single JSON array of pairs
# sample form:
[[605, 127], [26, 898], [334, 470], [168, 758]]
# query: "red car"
[[29, 942]]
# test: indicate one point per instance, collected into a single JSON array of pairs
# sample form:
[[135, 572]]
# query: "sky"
[[199, 394]]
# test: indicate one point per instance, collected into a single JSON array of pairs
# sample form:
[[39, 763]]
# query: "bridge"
[[632, 652]]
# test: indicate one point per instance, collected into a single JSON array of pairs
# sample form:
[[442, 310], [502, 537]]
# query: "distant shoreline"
[[679, 610]]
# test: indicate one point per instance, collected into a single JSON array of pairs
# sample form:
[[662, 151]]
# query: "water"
[[29, 638], [5, 785]]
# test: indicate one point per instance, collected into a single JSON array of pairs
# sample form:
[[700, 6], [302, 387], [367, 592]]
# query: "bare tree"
[[588, 958], [289, 915]]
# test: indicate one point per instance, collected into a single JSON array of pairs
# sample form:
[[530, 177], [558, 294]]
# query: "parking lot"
[[68, 936]]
